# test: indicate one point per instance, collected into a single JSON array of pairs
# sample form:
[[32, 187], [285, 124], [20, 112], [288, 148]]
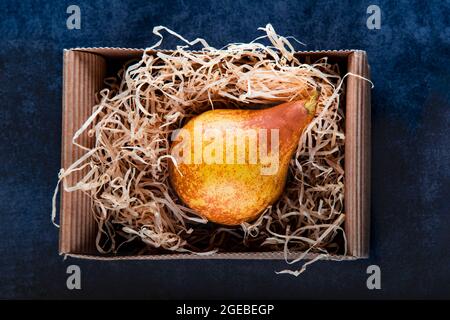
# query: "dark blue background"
[[410, 64]]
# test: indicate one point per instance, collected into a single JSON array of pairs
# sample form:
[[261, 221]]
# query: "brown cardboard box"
[[84, 71]]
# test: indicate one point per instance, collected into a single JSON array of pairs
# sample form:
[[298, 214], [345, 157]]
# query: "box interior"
[[84, 72]]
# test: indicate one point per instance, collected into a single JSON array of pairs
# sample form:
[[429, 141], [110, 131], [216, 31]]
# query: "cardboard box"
[[84, 72]]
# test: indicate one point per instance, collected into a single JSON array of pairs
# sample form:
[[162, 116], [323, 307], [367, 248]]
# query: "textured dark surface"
[[410, 64]]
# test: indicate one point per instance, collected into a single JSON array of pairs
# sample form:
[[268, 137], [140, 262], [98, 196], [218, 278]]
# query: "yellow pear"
[[230, 164]]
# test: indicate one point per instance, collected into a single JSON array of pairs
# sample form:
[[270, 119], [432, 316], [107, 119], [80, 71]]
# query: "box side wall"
[[83, 75], [357, 156], [114, 53], [217, 256], [368, 163]]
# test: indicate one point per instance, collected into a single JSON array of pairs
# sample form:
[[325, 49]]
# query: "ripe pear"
[[231, 164]]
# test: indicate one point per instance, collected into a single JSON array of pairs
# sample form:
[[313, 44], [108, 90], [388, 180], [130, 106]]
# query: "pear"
[[231, 164]]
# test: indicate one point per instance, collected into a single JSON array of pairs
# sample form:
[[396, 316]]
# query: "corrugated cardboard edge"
[[124, 52], [357, 220], [274, 255], [357, 156], [83, 75]]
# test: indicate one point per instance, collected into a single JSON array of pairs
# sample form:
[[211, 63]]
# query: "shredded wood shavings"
[[126, 172]]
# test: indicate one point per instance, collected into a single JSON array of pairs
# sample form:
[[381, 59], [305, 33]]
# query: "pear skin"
[[235, 182]]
